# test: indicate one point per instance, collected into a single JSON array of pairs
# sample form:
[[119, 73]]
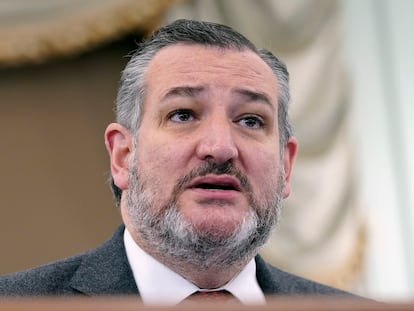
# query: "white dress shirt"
[[157, 284]]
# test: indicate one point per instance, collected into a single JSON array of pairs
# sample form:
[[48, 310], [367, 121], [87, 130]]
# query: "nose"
[[216, 142]]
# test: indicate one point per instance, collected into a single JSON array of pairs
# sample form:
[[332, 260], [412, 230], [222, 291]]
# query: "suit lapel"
[[267, 279], [105, 270]]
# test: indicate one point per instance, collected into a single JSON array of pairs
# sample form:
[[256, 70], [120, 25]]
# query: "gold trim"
[[73, 33]]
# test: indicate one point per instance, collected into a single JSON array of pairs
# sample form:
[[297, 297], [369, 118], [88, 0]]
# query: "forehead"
[[209, 67]]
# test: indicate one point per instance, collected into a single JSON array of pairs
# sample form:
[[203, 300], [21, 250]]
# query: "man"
[[201, 157]]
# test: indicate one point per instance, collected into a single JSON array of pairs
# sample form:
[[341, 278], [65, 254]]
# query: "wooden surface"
[[128, 303]]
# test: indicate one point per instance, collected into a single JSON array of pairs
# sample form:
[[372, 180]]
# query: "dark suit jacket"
[[106, 271]]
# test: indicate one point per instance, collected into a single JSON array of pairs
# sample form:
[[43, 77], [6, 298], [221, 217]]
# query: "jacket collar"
[[268, 279], [105, 270]]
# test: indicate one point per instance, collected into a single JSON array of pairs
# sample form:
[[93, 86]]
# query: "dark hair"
[[132, 85]]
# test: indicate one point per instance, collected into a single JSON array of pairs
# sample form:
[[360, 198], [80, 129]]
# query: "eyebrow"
[[183, 91], [194, 91], [254, 96]]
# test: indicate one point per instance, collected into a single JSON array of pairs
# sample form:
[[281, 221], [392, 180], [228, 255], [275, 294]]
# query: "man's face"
[[208, 146]]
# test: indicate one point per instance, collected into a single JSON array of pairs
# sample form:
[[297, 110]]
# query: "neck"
[[201, 264], [206, 274], [209, 277]]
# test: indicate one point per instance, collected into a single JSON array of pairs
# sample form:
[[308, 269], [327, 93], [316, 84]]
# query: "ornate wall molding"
[[37, 30]]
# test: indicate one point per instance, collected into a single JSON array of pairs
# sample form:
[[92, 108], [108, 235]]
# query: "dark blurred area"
[[54, 198]]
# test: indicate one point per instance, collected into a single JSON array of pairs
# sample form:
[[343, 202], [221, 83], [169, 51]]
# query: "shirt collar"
[[157, 284]]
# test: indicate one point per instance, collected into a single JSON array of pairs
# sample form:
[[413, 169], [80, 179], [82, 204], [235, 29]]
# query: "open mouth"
[[216, 182], [215, 186]]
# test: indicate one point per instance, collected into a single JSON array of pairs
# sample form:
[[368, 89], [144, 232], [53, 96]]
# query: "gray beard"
[[169, 234]]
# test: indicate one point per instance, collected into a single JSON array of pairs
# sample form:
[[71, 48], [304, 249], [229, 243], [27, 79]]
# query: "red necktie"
[[220, 296]]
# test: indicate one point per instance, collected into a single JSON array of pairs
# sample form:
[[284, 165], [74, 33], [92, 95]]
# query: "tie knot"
[[221, 296]]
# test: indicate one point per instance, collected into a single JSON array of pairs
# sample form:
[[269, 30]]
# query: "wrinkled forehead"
[[194, 64]]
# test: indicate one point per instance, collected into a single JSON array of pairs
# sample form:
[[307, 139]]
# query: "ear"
[[289, 156], [118, 142]]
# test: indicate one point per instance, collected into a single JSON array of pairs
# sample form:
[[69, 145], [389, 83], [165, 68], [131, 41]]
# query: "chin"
[[216, 228]]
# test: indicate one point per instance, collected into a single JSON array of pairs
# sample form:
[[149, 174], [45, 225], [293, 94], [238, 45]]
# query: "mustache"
[[211, 167]]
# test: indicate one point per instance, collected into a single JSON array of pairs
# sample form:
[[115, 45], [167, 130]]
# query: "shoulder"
[[273, 280], [49, 279], [94, 271]]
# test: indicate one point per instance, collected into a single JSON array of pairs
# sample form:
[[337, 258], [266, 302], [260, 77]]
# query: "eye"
[[181, 115], [251, 121]]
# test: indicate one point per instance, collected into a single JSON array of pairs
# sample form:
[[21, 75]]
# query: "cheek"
[[154, 164], [155, 146], [265, 170], [161, 165], [164, 152], [160, 157]]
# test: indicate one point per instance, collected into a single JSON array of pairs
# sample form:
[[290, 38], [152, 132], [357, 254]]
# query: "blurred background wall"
[[349, 219], [379, 48], [60, 65]]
